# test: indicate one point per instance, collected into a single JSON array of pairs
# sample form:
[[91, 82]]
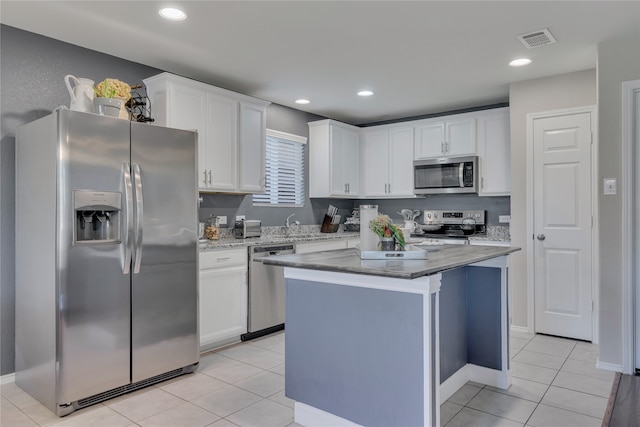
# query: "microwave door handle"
[[128, 232], [139, 218], [461, 174]]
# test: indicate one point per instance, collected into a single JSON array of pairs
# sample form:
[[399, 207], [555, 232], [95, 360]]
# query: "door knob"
[[541, 237]]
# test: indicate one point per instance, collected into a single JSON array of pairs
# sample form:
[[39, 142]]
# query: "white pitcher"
[[82, 94]]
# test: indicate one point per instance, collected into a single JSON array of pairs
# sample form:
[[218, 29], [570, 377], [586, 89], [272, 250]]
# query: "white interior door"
[[562, 225], [635, 141]]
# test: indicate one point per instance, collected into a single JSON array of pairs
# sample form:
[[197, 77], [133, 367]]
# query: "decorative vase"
[[107, 106], [387, 244]]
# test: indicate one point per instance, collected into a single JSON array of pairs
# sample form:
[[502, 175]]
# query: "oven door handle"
[[461, 174]]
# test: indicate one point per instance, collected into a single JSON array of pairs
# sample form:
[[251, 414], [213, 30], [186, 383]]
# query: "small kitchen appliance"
[[445, 175], [246, 228]]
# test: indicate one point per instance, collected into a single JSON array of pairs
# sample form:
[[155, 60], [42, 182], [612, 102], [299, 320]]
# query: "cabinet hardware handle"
[[442, 147], [541, 237], [205, 176], [209, 176], [224, 258], [389, 185]]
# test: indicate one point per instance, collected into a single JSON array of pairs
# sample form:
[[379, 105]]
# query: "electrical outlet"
[[610, 186], [240, 217], [504, 219], [222, 219]]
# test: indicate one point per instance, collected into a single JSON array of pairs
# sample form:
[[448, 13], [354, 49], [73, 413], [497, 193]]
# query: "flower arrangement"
[[384, 227], [113, 88]]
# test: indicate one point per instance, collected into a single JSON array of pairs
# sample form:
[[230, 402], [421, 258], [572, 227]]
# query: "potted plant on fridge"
[[111, 97]]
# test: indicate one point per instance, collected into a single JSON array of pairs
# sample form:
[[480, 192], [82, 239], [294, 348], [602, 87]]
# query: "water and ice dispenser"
[[97, 216]]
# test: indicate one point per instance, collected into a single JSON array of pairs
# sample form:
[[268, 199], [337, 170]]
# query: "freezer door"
[[164, 287], [93, 298]]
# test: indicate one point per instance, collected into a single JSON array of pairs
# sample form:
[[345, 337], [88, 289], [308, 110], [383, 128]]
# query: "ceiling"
[[419, 57]]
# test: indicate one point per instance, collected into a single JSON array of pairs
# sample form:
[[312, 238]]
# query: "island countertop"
[[439, 258]]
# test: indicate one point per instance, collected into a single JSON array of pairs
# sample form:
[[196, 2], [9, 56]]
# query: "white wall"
[[618, 61], [532, 96]]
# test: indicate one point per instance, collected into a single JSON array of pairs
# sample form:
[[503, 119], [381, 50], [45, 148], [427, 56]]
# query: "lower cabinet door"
[[223, 305]]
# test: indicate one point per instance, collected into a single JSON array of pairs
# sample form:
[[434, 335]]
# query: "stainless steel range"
[[453, 226]]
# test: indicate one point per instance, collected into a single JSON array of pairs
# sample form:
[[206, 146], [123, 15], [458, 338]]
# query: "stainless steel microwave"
[[445, 175]]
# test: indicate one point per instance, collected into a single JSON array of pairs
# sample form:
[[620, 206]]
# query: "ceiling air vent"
[[537, 38]]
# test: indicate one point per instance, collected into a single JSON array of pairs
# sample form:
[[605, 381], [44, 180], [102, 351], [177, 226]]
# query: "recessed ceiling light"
[[520, 62], [365, 93], [172, 14], [302, 101]]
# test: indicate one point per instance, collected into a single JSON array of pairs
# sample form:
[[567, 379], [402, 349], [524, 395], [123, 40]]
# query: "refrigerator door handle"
[[128, 232], [139, 218]]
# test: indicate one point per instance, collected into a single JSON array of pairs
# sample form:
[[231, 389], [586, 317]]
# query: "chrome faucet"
[[287, 224]]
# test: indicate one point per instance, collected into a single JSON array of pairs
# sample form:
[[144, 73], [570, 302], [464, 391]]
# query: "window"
[[284, 170]]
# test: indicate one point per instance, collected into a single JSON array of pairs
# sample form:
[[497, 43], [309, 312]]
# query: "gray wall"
[[618, 61], [532, 96]]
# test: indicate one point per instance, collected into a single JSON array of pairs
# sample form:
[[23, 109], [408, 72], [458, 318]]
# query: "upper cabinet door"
[[430, 140], [494, 152], [352, 162], [401, 162], [461, 138], [253, 119], [456, 137], [375, 152], [222, 148], [337, 150]]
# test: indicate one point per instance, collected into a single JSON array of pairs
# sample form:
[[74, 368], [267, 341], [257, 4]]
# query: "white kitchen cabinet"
[[451, 136], [319, 246], [221, 152], [231, 130], [334, 159], [494, 152], [251, 144], [223, 297], [387, 154]]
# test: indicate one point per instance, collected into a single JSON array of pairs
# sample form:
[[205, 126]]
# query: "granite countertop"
[[440, 258], [230, 242]]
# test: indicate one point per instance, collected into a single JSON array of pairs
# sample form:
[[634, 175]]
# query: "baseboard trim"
[[8, 378], [609, 366], [475, 373], [521, 329]]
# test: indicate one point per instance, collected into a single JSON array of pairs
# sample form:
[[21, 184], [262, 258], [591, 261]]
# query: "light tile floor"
[[555, 383]]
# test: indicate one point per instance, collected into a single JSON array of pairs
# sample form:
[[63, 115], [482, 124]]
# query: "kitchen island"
[[383, 342]]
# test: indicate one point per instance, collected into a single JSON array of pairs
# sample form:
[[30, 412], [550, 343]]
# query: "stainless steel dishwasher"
[[266, 290]]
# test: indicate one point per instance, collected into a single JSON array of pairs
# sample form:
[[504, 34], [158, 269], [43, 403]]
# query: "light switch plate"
[[222, 219], [504, 219], [610, 186]]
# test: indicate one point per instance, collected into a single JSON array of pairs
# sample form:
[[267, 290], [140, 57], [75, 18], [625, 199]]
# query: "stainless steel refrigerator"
[[106, 257]]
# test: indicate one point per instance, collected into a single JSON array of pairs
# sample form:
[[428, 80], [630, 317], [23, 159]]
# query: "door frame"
[[630, 195], [595, 265]]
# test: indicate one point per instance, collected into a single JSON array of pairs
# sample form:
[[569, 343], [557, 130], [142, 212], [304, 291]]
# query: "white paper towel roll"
[[368, 239]]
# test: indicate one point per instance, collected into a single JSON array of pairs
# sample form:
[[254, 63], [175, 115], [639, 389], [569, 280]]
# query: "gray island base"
[[383, 343]]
